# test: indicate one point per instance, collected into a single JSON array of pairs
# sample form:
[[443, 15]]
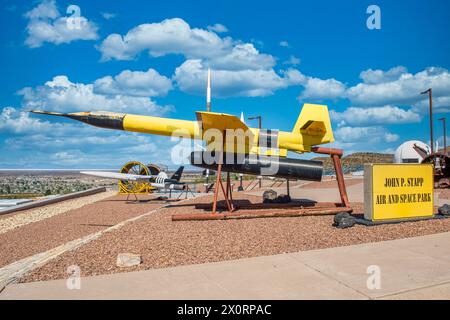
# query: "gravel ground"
[[49, 233], [255, 186], [444, 193], [18, 219], [332, 184], [163, 243]]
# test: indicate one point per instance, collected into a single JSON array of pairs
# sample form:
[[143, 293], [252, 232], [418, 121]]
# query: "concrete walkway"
[[355, 193], [415, 268]]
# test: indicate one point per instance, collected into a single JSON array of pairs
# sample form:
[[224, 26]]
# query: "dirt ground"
[[164, 243]]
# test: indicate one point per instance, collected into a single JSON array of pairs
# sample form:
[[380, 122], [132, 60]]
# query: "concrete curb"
[[45, 202]]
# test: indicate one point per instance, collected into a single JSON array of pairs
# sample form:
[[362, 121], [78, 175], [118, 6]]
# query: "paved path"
[[415, 268], [355, 193]]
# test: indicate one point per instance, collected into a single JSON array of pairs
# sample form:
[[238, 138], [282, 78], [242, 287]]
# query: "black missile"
[[260, 165]]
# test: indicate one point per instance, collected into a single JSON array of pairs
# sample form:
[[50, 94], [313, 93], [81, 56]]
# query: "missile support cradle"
[[284, 210]]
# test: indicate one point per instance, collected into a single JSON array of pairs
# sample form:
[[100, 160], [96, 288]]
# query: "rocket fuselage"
[[263, 150], [165, 126], [260, 165]]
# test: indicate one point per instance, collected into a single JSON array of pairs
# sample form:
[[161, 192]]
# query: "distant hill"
[[447, 150], [355, 161]]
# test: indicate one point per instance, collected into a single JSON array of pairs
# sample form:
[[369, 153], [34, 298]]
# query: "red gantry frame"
[[292, 209]]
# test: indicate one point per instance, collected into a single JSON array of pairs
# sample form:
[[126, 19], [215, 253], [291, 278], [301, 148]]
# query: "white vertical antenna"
[[208, 106], [208, 92]]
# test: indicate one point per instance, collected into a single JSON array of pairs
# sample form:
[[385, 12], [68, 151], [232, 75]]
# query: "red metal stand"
[[336, 155], [285, 210], [227, 192]]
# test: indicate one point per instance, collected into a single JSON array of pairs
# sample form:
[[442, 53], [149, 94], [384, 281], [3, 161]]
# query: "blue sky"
[[268, 57]]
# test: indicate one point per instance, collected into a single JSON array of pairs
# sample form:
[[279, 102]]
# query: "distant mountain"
[[355, 161]]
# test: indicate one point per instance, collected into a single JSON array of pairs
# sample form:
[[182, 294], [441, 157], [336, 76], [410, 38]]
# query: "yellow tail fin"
[[314, 125]]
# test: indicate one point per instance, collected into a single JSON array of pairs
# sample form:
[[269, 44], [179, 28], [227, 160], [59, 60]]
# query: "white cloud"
[[171, 36], [318, 89], [440, 105], [47, 25], [374, 116], [294, 77], [18, 122], [218, 28], [391, 137], [284, 44], [60, 94], [67, 157], [257, 43], [440, 141], [175, 36], [46, 9], [134, 83], [399, 87], [243, 57], [293, 60], [71, 135], [121, 148], [239, 69], [191, 77], [381, 88], [379, 76], [366, 135], [38, 142], [108, 15]]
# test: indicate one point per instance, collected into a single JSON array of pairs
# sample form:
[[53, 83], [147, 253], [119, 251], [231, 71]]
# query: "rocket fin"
[[314, 125], [177, 175]]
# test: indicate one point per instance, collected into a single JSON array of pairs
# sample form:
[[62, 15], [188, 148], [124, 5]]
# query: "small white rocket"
[[208, 106], [208, 92]]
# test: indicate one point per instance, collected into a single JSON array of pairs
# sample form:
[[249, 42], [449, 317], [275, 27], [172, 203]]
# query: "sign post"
[[398, 191]]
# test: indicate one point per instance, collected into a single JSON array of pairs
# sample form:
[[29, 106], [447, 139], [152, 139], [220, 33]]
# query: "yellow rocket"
[[261, 148], [312, 128]]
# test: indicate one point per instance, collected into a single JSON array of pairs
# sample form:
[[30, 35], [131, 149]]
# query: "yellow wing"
[[239, 136], [219, 121]]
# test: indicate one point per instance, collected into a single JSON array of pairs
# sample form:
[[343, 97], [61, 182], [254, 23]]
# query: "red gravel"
[[163, 243], [331, 184], [266, 184], [444, 193], [49, 233]]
